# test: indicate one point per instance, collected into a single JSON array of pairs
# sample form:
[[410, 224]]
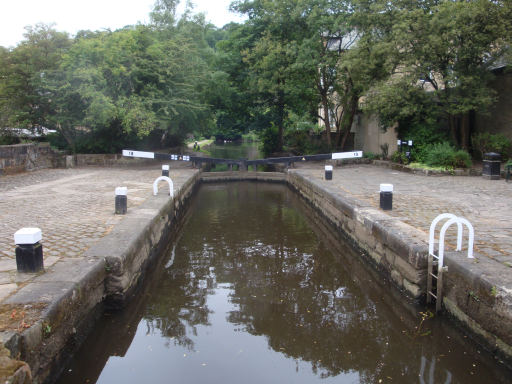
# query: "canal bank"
[[93, 258], [477, 293], [72, 292]]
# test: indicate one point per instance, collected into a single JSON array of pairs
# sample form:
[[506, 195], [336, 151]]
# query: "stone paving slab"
[[418, 199], [74, 209]]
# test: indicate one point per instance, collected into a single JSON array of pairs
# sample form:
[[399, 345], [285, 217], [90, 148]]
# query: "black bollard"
[[386, 197], [165, 170], [328, 172], [491, 166], [121, 200], [29, 250]]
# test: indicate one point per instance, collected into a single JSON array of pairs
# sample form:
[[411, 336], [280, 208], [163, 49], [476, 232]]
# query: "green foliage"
[[250, 137], [423, 135], [384, 148], [399, 157], [9, 140], [439, 55], [485, 142], [303, 142], [371, 156], [270, 140], [462, 159], [444, 155], [423, 65]]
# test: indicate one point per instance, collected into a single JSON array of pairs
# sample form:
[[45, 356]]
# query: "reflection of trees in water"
[[300, 303], [286, 287], [178, 303]]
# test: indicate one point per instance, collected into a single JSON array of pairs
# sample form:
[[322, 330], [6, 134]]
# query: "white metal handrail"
[[452, 219], [163, 178]]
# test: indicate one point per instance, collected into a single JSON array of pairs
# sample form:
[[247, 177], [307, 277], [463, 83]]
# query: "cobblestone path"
[[418, 199], [73, 207]]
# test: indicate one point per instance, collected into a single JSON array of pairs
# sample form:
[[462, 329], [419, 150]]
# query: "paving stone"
[[73, 207], [418, 199], [7, 289], [7, 265]]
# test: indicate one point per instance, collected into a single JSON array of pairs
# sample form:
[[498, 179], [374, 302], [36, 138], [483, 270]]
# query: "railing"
[[243, 164], [436, 266]]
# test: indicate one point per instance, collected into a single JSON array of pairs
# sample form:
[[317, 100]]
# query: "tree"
[[22, 73], [445, 50], [271, 53], [120, 87]]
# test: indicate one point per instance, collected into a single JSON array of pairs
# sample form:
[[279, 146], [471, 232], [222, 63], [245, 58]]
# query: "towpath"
[[73, 207], [418, 199]]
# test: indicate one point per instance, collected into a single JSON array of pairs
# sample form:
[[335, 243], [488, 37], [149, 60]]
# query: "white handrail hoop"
[[452, 220], [432, 231], [163, 178]]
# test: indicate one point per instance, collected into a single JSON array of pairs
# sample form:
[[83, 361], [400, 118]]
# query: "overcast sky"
[[74, 15]]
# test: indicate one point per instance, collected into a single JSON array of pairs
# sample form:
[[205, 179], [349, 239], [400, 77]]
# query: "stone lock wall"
[[474, 294], [379, 236], [25, 157]]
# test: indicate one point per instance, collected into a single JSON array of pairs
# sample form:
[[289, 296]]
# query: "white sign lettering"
[[147, 155], [347, 155]]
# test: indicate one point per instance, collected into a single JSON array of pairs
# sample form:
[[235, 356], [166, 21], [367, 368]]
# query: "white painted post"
[[121, 204], [328, 172], [29, 250], [165, 170], [169, 181]]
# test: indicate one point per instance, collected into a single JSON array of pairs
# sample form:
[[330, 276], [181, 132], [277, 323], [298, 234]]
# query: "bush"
[[371, 156], [423, 134], [399, 157], [270, 140], [9, 140], [462, 159], [484, 142], [444, 155]]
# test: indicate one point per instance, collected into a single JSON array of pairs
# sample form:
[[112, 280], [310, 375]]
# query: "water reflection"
[[232, 150], [250, 293]]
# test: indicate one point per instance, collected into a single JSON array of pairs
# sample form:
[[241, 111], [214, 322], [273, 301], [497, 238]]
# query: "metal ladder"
[[436, 266]]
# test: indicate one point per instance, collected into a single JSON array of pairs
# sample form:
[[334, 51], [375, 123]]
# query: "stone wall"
[[30, 157], [396, 249], [474, 294], [369, 136], [107, 273], [26, 157]]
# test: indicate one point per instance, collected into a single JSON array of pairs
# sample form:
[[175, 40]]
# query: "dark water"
[[232, 150], [252, 291]]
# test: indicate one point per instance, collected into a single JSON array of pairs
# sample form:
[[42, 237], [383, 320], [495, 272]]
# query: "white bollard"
[[121, 204], [165, 170], [328, 172], [386, 197], [29, 250]]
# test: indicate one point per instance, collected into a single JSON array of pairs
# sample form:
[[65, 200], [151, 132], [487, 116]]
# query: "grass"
[[429, 168], [250, 137]]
